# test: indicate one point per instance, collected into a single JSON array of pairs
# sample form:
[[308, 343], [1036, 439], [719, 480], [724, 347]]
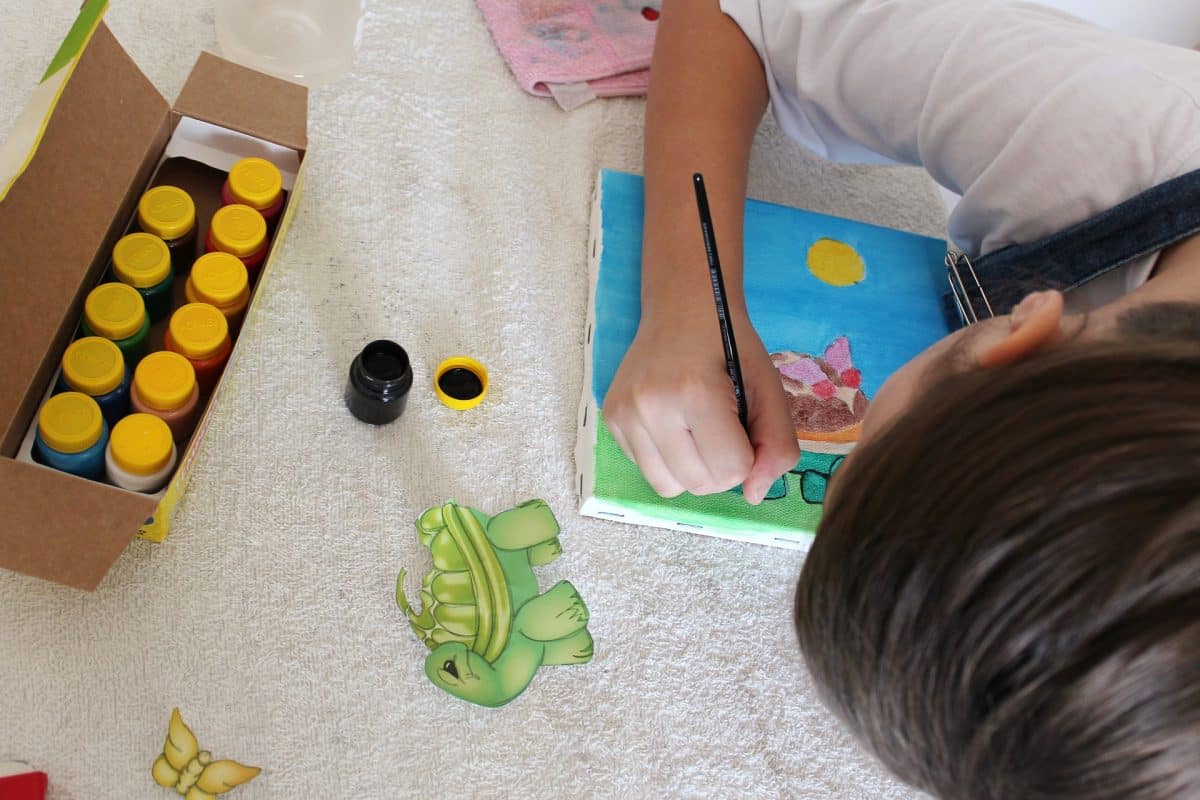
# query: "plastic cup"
[[305, 41]]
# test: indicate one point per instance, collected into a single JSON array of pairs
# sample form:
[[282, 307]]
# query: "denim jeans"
[[1145, 224]]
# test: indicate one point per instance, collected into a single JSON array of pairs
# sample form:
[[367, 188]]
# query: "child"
[[1003, 600]]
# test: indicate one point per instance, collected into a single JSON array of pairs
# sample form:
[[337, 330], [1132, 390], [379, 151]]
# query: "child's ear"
[[1035, 323]]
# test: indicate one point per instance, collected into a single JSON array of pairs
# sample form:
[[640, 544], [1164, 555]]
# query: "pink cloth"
[[575, 50]]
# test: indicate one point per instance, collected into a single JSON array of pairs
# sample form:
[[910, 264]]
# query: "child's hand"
[[672, 410]]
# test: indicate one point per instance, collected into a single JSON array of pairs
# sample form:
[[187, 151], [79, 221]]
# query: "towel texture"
[[448, 210], [575, 50]]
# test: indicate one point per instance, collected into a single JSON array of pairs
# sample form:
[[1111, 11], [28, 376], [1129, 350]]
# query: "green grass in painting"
[[619, 483]]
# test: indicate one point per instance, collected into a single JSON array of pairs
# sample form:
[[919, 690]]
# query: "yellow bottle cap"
[[93, 365], [238, 229], [164, 380], [460, 382], [70, 422], [167, 211], [198, 329], [141, 444], [142, 260], [220, 279], [255, 182], [115, 310]]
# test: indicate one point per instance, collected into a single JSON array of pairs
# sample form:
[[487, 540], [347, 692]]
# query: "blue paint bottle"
[[96, 367], [72, 435]]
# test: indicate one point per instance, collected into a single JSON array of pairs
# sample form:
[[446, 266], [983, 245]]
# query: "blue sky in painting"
[[889, 317]]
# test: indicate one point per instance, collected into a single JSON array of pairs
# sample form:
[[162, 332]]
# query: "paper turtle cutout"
[[482, 617]]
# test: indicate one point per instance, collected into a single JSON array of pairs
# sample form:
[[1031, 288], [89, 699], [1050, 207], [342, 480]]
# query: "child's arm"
[[671, 406]]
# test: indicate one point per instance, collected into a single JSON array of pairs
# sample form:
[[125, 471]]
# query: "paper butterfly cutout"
[[808, 371], [190, 771]]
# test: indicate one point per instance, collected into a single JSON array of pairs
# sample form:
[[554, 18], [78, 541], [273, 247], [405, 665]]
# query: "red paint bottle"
[[257, 183], [241, 231], [200, 333]]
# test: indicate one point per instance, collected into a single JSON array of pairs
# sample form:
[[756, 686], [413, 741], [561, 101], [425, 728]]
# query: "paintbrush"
[[732, 365]]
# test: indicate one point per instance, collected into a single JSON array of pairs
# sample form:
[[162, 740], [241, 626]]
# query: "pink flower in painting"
[[807, 371], [837, 355]]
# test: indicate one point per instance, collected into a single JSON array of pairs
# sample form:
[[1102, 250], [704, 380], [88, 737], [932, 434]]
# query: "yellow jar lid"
[[142, 260], [238, 229], [255, 182], [70, 422], [220, 279], [164, 380], [93, 365], [115, 310], [457, 393], [167, 211], [141, 444], [198, 329]]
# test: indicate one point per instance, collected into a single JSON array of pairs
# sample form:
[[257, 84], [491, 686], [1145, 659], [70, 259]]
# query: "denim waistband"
[[1145, 224]]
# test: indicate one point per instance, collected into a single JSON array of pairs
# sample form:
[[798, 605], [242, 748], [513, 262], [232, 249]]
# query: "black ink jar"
[[380, 377]]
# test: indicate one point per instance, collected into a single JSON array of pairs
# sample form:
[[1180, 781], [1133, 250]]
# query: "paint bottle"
[[141, 454], [118, 313], [164, 385], [241, 231], [380, 377], [142, 260], [95, 366], [221, 280], [72, 435], [255, 182], [169, 213], [199, 333]]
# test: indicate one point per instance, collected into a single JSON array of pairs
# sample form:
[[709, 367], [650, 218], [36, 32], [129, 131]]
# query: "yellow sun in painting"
[[836, 263]]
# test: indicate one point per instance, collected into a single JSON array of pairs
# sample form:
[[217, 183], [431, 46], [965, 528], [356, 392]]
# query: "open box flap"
[[60, 215], [231, 96], [71, 543]]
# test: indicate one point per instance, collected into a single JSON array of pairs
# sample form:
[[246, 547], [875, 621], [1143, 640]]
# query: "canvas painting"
[[839, 304]]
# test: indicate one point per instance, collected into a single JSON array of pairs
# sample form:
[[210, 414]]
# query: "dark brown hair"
[[1003, 600]]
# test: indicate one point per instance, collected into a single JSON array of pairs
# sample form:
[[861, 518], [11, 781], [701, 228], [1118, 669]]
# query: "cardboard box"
[[108, 136]]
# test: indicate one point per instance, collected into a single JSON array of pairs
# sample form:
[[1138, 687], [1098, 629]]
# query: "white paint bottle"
[[141, 453]]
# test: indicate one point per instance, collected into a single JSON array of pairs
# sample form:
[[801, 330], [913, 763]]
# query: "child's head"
[[1003, 600]]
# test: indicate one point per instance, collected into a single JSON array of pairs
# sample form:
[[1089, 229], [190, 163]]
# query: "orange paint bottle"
[[221, 280], [200, 333]]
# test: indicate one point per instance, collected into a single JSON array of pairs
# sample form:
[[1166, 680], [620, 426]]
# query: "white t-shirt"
[[1038, 119]]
